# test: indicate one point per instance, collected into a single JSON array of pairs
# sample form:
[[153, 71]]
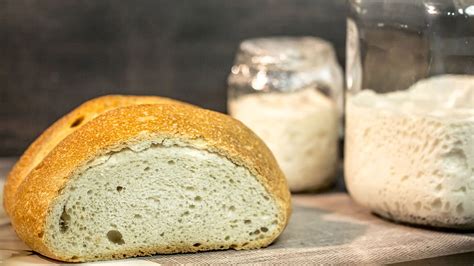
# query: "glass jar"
[[409, 136], [288, 91]]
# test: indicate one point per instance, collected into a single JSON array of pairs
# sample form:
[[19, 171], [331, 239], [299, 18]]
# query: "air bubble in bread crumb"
[[437, 203], [64, 221], [460, 208], [115, 237]]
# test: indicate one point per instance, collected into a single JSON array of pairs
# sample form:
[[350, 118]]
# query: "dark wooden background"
[[55, 54]]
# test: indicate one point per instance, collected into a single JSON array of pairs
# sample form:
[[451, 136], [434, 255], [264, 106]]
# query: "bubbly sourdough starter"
[[301, 130], [410, 154]]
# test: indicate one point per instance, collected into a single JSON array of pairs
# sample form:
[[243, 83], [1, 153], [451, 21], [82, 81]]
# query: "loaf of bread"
[[130, 176]]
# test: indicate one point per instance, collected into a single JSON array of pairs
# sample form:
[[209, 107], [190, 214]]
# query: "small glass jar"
[[288, 91], [409, 136]]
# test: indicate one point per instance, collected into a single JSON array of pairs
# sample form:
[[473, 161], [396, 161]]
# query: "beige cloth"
[[326, 228]]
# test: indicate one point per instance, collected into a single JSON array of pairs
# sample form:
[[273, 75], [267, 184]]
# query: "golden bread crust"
[[60, 129], [120, 127]]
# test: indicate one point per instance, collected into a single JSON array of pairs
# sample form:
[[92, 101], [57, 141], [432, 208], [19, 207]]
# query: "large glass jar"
[[288, 91], [409, 137]]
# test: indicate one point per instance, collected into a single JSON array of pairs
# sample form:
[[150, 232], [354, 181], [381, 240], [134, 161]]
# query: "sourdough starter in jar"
[[410, 154], [288, 91], [300, 128]]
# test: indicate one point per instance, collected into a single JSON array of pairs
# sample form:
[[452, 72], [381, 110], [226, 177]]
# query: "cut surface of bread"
[[152, 178], [62, 128], [162, 199]]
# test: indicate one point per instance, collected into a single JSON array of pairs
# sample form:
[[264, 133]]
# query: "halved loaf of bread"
[[150, 178]]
